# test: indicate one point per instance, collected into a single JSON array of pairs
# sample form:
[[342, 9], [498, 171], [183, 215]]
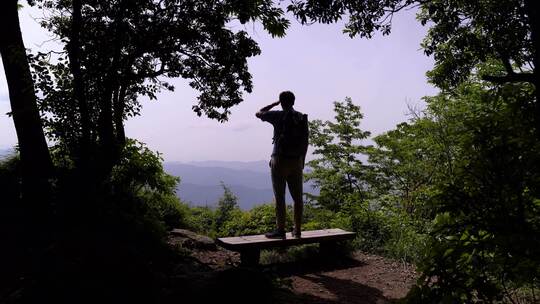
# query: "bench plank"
[[240, 243]]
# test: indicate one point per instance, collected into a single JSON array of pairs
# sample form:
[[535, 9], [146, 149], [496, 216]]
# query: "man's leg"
[[278, 185], [295, 182]]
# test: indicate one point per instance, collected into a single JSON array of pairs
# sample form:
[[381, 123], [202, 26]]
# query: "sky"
[[319, 63]]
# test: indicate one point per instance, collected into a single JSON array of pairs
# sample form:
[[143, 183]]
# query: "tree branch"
[[512, 77], [507, 65], [152, 74]]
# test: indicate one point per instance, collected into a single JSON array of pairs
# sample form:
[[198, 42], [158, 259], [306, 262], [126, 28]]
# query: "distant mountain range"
[[256, 166], [200, 182]]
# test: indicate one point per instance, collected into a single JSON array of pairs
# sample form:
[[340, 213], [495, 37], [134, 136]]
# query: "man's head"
[[287, 99]]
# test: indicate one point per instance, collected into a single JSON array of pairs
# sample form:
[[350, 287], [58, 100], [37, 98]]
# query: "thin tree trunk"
[[35, 158], [106, 130], [532, 13], [79, 92], [119, 104], [109, 144]]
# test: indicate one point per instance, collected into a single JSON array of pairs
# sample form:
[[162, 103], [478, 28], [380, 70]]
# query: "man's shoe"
[[296, 233], [276, 234]]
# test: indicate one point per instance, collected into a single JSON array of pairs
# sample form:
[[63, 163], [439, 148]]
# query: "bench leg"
[[327, 248], [331, 248], [250, 257]]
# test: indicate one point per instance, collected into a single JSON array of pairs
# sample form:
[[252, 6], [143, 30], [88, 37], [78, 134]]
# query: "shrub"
[[201, 220], [140, 175]]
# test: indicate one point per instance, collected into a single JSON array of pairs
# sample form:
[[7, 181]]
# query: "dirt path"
[[362, 278], [372, 279]]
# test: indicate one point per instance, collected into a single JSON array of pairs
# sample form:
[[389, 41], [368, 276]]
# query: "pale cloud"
[[243, 126], [235, 126], [204, 125]]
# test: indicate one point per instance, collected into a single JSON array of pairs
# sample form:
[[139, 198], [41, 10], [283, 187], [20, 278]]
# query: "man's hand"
[[266, 109]]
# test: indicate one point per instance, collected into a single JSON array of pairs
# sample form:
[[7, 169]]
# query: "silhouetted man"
[[288, 157]]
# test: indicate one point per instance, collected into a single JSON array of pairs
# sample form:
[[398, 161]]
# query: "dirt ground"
[[372, 279], [360, 278]]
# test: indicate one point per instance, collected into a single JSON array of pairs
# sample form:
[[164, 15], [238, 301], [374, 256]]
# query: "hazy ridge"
[[200, 182]]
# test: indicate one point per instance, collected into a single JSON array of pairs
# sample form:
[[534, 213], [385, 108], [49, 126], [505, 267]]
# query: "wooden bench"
[[250, 246]]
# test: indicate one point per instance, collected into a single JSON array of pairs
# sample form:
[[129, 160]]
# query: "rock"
[[195, 240]]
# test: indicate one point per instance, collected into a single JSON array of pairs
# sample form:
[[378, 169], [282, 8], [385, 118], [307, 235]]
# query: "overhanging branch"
[[513, 77]]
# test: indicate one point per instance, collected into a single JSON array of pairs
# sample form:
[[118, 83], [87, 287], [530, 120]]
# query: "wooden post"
[[331, 248], [328, 248]]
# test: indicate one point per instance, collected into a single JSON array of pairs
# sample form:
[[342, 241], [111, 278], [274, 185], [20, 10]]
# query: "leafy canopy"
[[462, 33], [126, 49], [467, 166]]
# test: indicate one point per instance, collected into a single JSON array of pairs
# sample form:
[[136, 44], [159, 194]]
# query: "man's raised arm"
[[266, 109]]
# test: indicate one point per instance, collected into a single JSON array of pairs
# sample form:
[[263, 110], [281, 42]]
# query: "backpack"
[[292, 134]]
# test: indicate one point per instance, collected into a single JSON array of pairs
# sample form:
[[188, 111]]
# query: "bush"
[[259, 219], [10, 178], [201, 220], [379, 229], [407, 240], [140, 175], [108, 244]]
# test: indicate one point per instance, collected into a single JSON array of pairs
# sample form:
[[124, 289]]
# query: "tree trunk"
[[119, 104], [532, 13], [106, 130], [109, 145], [79, 92], [35, 158]]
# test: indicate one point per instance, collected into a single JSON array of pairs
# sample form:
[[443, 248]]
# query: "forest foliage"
[[455, 189]]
